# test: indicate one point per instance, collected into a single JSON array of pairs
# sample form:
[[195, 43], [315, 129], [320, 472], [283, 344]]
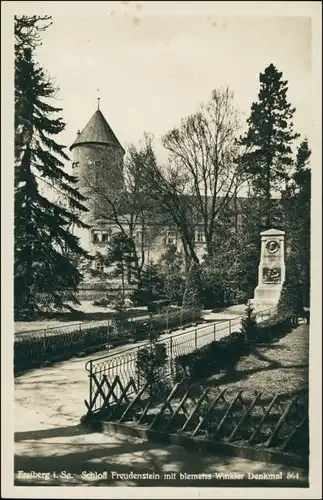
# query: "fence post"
[[91, 382], [214, 332], [171, 355], [229, 326], [195, 338]]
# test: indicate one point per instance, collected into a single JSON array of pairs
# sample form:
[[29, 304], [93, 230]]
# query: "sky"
[[153, 63]]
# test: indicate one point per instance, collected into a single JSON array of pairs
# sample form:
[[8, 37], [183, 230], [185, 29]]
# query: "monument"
[[271, 274]]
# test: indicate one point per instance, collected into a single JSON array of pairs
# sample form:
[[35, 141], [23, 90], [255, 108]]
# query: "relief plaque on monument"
[[271, 275]]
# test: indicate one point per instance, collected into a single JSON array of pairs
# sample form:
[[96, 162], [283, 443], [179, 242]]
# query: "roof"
[[272, 232], [97, 131]]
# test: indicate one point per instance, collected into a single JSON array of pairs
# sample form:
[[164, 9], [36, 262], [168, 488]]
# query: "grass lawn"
[[280, 367]]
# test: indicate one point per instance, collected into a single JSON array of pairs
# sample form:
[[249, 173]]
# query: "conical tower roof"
[[97, 131]]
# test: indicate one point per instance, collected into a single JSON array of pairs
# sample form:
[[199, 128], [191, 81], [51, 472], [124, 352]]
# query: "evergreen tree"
[[120, 255], [46, 252], [193, 295], [268, 155], [171, 269], [297, 203], [291, 297], [150, 286]]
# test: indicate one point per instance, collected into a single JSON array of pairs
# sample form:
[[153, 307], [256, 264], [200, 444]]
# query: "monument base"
[[266, 295]]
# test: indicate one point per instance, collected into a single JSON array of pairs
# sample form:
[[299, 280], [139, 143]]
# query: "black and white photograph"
[[162, 288]]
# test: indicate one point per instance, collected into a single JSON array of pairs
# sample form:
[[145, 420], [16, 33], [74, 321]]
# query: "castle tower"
[[97, 160]]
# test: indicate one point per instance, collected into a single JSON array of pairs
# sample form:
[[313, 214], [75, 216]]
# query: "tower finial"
[[98, 98]]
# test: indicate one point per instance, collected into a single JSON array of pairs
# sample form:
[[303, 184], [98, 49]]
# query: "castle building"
[[97, 162]]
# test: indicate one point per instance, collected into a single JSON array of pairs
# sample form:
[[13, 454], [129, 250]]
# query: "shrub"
[[151, 363], [104, 302], [249, 323], [119, 302]]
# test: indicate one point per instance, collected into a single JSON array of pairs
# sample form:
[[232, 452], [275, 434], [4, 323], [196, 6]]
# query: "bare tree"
[[203, 175], [119, 199]]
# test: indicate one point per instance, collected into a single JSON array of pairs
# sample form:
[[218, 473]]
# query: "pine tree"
[[268, 140], [297, 202], [46, 252]]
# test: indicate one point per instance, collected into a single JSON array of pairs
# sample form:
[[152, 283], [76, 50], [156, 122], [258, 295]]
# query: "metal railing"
[[124, 364]]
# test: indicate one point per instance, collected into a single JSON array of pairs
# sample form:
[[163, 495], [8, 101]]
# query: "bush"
[[160, 322], [104, 302], [151, 363], [249, 323]]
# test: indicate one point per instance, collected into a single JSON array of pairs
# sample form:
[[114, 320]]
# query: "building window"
[[101, 236], [106, 236], [171, 238], [199, 236]]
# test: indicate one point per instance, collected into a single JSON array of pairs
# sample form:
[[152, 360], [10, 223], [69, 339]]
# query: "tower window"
[[199, 236], [99, 266]]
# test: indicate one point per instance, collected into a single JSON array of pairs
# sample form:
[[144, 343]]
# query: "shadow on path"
[[68, 431]]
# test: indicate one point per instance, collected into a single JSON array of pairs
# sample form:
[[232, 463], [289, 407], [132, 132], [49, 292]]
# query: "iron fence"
[[32, 349], [124, 364]]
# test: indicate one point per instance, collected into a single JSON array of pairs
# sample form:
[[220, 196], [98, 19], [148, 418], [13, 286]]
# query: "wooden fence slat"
[[123, 391], [99, 389], [111, 388], [199, 425], [148, 405], [133, 402], [195, 409], [233, 402], [165, 404], [244, 416], [289, 438], [123, 395], [180, 406], [280, 422], [263, 418]]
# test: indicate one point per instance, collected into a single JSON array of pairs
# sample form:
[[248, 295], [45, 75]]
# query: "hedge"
[[34, 351], [226, 352]]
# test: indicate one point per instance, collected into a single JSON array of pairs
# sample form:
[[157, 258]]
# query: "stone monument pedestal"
[[271, 275]]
